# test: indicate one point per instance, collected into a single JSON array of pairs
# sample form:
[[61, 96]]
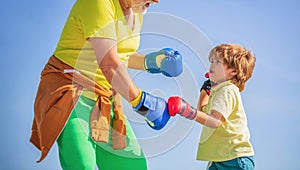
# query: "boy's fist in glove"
[[206, 84], [176, 105], [166, 61]]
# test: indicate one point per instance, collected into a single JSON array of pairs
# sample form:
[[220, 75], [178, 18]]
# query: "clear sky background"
[[30, 30]]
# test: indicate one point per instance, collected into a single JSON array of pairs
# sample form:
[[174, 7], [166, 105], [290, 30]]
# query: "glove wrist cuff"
[[150, 63], [140, 108], [137, 100]]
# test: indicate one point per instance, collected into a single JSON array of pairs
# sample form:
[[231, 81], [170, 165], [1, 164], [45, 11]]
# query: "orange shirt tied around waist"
[[57, 95]]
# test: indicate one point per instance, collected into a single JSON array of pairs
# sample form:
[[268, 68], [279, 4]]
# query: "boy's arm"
[[212, 120], [203, 100], [176, 105], [204, 93]]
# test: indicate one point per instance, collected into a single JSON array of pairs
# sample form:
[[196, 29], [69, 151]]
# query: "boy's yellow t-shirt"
[[96, 18], [231, 139]]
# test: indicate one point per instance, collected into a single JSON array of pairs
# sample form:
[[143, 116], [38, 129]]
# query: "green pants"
[[78, 151]]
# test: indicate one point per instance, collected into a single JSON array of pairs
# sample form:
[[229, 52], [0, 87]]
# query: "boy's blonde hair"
[[237, 57]]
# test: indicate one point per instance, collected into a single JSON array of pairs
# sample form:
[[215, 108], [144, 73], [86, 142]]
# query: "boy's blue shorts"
[[241, 163]]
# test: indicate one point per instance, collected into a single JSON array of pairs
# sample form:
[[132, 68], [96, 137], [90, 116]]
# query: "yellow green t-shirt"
[[231, 139], [96, 18]]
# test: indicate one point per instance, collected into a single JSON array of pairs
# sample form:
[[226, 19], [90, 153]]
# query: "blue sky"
[[31, 29]]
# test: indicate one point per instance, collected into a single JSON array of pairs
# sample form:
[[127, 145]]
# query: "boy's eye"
[[215, 61]]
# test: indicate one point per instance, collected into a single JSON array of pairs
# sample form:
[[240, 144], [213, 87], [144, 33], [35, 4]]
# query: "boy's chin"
[[140, 10]]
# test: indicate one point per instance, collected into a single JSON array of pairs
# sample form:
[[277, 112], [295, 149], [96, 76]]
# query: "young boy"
[[224, 140]]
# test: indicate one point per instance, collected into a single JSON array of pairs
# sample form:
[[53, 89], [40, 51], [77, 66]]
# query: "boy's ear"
[[233, 72]]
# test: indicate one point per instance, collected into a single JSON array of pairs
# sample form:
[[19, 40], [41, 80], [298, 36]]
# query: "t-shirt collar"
[[223, 84]]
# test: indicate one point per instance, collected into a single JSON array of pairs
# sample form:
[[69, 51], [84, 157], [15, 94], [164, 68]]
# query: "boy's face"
[[218, 71]]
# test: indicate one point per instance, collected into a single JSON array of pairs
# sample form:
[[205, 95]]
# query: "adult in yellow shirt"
[[78, 103], [225, 138]]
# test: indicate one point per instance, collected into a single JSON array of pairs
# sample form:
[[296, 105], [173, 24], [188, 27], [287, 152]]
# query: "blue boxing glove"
[[154, 109], [166, 61]]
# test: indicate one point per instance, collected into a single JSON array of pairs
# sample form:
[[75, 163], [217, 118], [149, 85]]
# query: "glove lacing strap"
[[188, 111]]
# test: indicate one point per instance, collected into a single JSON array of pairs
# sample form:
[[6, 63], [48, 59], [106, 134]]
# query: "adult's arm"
[[112, 68]]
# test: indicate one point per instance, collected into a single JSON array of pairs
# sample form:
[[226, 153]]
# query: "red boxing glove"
[[176, 105], [207, 84], [206, 75]]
